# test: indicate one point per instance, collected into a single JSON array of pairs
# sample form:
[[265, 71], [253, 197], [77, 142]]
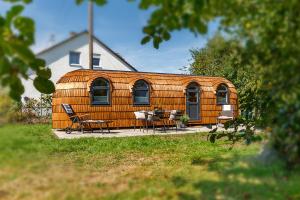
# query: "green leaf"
[[16, 88], [144, 4], [17, 85], [26, 28], [156, 42], [37, 63], [79, 2], [13, 12], [2, 21], [145, 40], [23, 51], [15, 95], [44, 73], [149, 30], [212, 138], [202, 28], [27, 1], [214, 130], [43, 85], [4, 66], [166, 36], [100, 2]]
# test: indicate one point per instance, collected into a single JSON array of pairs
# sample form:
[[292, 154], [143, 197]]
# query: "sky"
[[119, 25]]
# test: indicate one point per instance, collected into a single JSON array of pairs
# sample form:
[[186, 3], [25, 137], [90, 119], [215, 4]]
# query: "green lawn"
[[35, 165]]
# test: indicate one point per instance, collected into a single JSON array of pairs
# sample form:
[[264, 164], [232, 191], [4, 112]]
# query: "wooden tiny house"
[[115, 95]]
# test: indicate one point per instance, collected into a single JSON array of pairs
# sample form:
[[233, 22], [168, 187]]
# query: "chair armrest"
[[87, 114], [84, 116]]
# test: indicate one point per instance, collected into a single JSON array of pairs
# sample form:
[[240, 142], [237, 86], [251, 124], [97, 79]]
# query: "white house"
[[72, 54]]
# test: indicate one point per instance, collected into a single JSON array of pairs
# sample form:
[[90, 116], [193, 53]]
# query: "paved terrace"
[[129, 132]]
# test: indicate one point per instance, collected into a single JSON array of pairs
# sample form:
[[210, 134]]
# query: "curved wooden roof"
[[125, 80]]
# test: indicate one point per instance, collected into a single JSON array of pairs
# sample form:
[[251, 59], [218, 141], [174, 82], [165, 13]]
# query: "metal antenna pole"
[[91, 32]]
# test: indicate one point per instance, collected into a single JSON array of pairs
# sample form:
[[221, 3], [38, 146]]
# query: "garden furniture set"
[[154, 118], [157, 116]]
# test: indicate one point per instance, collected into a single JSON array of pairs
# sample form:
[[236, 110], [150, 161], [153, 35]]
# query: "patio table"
[[152, 112]]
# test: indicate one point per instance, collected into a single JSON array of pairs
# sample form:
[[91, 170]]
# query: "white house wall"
[[58, 61]]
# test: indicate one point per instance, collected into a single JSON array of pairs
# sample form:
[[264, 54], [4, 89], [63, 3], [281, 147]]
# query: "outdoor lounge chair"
[[226, 114], [84, 120]]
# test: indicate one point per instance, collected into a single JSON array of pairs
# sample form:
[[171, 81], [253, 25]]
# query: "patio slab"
[[127, 133]]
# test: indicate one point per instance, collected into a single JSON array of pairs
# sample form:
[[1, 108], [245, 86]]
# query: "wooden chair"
[[226, 114], [84, 120]]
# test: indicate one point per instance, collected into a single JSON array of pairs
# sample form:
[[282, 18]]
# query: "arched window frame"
[[222, 90], [147, 88], [93, 88]]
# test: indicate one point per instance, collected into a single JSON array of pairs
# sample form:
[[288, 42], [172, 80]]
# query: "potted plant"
[[184, 119]]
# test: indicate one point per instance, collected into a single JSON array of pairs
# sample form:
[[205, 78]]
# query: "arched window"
[[141, 93], [222, 94], [100, 92]]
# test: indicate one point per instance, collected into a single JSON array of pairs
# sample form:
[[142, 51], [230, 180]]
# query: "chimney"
[[72, 33]]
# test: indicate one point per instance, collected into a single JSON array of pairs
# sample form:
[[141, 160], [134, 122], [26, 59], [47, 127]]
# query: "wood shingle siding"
[[167, 91]]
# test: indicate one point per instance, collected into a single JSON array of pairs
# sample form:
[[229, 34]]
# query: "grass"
[[35, 165]]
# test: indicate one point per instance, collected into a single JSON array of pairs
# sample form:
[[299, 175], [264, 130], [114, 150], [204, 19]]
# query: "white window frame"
[[96, 55], [74, 64]]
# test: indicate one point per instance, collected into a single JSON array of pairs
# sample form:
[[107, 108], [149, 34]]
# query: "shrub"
[[10, 111], [30, 111], [184, 119]]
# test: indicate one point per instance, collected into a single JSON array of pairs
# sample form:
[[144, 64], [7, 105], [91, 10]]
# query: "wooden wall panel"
[[166, 91]]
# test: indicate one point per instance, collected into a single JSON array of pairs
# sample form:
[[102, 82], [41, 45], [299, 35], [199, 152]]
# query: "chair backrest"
[[68, 109], [140, 115], [150, 115], [159, 113], [153, 116], [227, 113], [227, 108], [175, 114]]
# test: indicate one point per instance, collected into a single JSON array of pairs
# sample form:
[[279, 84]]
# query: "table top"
[[147, 111], [97, 121]]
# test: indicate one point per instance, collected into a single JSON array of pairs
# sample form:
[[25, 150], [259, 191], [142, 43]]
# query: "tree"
[[269, 29], [227, 58], [219, 57]]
